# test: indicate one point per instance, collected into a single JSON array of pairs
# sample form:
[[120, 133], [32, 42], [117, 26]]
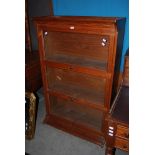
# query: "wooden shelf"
[[76, 113], [78, 100], [80, 61]]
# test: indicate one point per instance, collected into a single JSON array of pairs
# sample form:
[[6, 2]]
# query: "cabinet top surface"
[[109, 20]]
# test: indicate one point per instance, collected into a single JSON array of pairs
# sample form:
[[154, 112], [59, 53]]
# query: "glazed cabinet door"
[[83, 88], [76, 96], [76, 113], [85, 50], [76, 77]]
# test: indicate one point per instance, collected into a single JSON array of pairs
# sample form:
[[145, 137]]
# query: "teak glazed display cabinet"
[[80, 63]]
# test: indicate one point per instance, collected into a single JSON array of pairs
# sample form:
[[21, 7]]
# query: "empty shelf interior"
[[80, 61], [83, 94], [77, 85], [76, 48], [76, 113]]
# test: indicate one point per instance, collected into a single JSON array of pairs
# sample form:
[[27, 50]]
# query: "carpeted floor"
[[51, 141]]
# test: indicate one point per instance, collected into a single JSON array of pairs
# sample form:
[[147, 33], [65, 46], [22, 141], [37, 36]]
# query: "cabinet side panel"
[[43, 67], [120, 39]]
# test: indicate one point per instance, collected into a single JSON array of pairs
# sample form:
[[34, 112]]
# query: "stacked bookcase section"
[[80, 61]]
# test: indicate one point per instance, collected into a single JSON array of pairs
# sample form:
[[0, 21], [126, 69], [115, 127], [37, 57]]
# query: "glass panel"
[[77, 85], [82, 49], [76, 113]]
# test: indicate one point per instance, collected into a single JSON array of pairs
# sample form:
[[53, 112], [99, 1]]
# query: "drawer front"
[[122, 144], [122, 132]]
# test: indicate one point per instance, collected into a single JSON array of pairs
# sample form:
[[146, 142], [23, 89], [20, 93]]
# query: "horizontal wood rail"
[[78, 68]]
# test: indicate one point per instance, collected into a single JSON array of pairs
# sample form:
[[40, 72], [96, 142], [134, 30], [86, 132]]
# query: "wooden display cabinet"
[[80, 61]]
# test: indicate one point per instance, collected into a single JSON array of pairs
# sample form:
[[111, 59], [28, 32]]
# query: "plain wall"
[[119, 8]]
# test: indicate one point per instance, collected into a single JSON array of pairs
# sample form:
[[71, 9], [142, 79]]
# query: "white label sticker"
[[110, 127], [104, 40], [110, 134], [111, 131]]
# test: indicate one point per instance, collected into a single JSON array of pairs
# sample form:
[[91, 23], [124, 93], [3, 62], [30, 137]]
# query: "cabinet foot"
[[110, 151]]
